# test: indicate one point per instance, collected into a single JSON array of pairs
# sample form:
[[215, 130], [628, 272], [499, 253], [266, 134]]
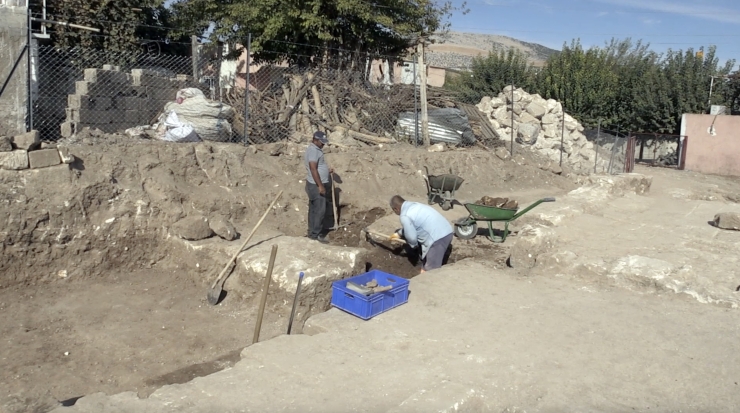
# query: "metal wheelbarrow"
[[441, 189], [467, 227]]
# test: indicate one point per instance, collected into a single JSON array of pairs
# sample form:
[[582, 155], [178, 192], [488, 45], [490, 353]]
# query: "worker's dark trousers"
[[320, 210]]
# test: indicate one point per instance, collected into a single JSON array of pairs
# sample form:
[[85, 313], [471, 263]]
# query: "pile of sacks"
[[538, 123]]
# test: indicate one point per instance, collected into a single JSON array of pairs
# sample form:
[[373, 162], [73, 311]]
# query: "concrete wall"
[[712, 151], [12, 40], [403, 73]]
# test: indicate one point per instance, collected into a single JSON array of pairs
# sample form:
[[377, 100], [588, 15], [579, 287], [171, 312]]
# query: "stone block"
[[147, 80], [89, 102], [162, 94], [88, 116], [525, 117], [193, 228], [222, 227], [106, 76], [531, 242], [127, 103], [536, 110], [132, 117], [27, 141], [15, 160], [64, 155], [6, 145], [43, 158], [334, 320], [727, 220], [68, 129], [112, 67]]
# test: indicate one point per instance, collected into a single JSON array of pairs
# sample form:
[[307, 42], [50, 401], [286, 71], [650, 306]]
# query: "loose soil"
[[87, 265], [131, 332]]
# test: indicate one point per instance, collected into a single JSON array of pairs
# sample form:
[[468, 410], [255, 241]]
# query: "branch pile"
[[294, 105]]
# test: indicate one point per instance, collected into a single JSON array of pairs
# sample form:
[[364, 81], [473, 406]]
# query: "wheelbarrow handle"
[[550, 199]]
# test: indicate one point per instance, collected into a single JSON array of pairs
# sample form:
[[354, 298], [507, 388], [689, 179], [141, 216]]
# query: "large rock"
[[528, 133], [525, 117], [27, 141], [192, 228], [536, 110], [222, 227], [639, 270], [5, 144], [550, 119], [14, 160], [501, 115], [530, 243], [727, 220]]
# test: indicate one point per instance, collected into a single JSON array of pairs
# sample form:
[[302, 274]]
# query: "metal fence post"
[[194, 54], [30, 74], [598, 135], [512, 119], [246, 90], [416, 105]]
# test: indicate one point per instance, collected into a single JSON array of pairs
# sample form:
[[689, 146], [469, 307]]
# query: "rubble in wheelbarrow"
[[498, 202]]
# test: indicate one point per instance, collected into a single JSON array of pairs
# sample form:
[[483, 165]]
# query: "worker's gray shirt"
[[315, 154]]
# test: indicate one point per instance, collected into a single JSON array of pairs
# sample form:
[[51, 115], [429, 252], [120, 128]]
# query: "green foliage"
[[315, 31], [623, 84], [489, 75], [124, 26]]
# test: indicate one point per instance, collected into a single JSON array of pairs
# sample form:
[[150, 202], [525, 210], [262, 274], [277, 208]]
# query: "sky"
[[664, 24]]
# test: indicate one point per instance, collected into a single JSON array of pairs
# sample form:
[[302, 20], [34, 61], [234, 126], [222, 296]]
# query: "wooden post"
[[423, 94], [220, 58], [194, 58]]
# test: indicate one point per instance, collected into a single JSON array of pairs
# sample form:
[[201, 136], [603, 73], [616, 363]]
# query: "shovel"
[[214, 293], [377, 234]]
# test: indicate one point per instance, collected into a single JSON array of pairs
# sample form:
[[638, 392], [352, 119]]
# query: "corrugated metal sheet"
[[447, 125]]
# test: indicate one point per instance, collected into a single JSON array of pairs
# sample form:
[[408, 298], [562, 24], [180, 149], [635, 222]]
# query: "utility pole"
[[423, 92]]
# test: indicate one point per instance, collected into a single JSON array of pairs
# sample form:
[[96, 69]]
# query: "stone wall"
[[13, 102], [26, 151], [112, 101]]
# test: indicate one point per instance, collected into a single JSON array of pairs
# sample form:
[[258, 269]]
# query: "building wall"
[[712, 152], [12, 40], [403, 73]]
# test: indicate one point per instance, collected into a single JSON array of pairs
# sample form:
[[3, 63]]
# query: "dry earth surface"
[[99, 295]]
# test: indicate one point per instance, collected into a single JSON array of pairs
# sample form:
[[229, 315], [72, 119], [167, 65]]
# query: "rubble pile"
[[538, 123]]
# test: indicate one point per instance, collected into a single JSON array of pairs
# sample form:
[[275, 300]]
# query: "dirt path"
[[133, 332]]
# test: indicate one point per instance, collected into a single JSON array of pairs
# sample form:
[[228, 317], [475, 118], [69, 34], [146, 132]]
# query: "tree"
[[124, 25], [584, 81], [489, 75], [313, 32]]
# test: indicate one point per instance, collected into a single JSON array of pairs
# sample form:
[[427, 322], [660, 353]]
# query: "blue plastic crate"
[[367, 307]]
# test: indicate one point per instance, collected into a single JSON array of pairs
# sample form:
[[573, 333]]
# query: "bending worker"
[[424, 226]]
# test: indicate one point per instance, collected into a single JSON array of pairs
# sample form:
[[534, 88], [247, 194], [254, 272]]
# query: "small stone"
[[192, 228], [65, 155], [27, 141], [437, 147], [222, 227], [502, 153], [727, 220], [5, 144]]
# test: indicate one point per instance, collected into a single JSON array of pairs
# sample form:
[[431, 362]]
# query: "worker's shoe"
[[322, 239]]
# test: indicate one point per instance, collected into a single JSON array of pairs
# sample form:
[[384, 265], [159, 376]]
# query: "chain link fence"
[[78, 88]]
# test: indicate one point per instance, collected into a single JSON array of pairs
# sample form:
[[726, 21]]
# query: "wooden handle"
[[334, 203], [228, 264], [263, 300], [386, 236]]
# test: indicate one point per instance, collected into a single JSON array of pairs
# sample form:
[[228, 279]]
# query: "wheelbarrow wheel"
[[468, 231]]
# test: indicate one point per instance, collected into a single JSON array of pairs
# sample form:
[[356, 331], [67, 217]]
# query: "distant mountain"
[[456, 49]]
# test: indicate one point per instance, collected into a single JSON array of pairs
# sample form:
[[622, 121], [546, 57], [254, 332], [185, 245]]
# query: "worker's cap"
[[321, 137]]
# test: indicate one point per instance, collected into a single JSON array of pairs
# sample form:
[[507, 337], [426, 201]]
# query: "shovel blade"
[[214, 295]]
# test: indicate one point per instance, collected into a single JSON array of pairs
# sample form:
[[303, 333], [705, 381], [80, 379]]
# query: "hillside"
[[457, 49]]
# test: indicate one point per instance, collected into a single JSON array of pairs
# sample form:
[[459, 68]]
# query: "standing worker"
[[423, 225], [318, 185]]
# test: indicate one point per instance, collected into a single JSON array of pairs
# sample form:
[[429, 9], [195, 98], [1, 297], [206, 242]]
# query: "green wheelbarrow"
[[467, 227]]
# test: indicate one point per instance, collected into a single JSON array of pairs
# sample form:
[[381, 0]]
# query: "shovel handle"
[[386, 236], [228, 264]]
